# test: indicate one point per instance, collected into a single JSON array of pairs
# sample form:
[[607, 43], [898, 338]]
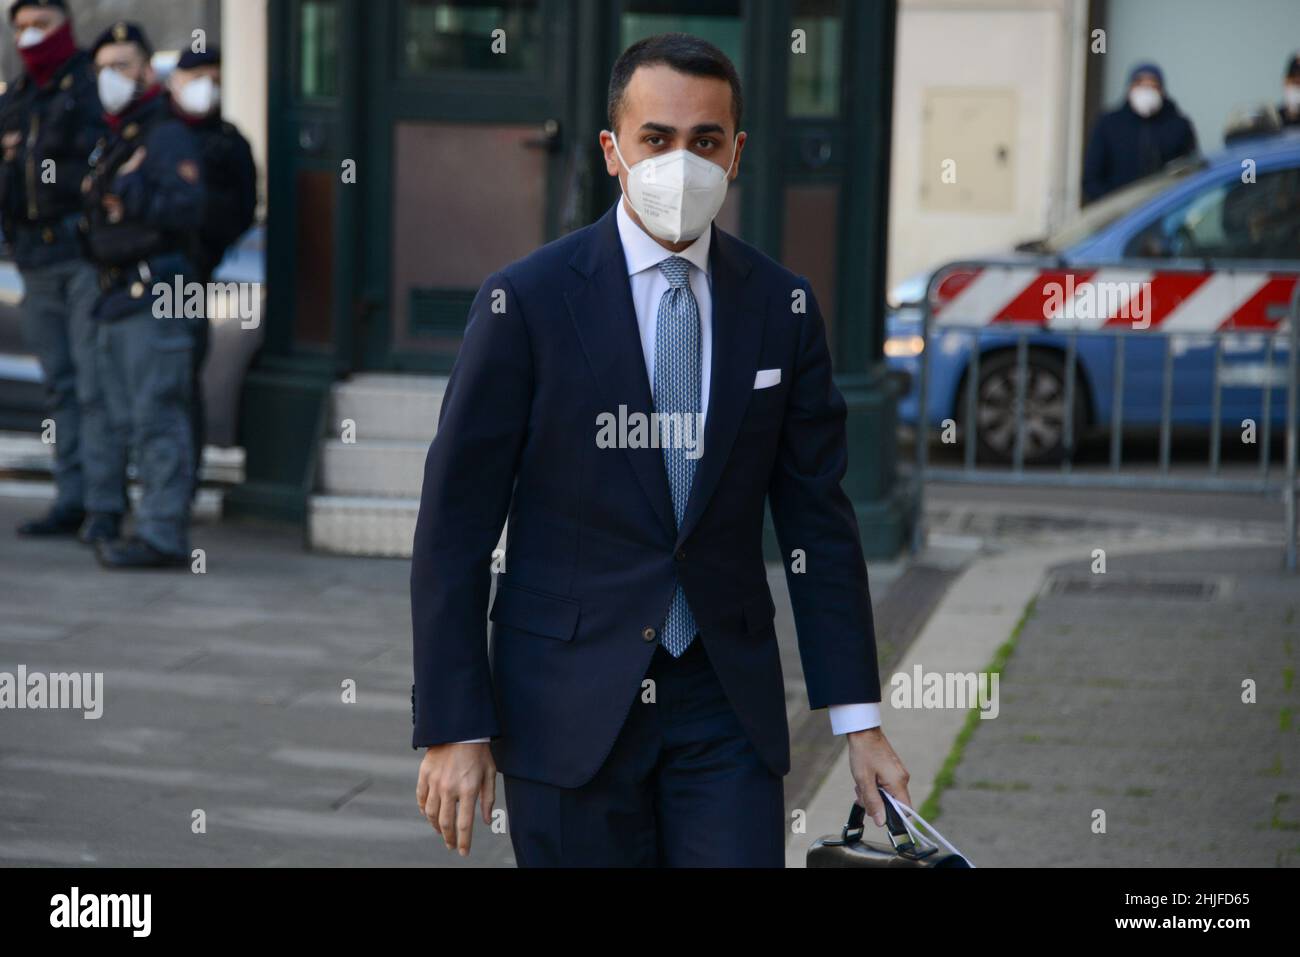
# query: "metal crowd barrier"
[[1286, 333]]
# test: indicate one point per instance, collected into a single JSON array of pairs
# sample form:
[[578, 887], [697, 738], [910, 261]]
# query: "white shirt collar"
[[642, 251]]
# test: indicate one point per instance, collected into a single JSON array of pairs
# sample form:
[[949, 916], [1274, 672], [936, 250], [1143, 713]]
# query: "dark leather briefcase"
[[908, 850]]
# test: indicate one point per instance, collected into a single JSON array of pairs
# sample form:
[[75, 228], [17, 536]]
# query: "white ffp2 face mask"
[[115, 90], [199, 97], [30, 37], [1145, 100], [676, 194], [1291, 96]]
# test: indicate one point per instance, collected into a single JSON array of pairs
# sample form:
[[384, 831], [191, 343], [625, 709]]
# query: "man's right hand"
[[10, 143], [452, 778]]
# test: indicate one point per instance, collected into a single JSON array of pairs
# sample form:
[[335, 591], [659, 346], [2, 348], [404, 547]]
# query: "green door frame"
[[311, 134], [285, 395], [469, 97]]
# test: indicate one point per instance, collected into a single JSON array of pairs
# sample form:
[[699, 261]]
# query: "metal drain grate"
[[1113, 586]]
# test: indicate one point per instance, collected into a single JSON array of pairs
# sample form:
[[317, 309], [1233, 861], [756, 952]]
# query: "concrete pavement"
[[1120, 701], [224, 694]]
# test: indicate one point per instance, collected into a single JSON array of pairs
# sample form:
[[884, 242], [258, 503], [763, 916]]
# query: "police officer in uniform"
[[49, 122], [229, 176], [229, 180], [144, 199]]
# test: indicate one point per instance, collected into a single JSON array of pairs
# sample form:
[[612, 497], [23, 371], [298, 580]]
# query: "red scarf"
[[43, 59], [116, 120]]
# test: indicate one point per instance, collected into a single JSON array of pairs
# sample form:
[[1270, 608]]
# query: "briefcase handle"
[[899, 835]]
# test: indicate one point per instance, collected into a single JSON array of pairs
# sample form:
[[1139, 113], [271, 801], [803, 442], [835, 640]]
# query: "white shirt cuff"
[[846, 718], [473, 741]]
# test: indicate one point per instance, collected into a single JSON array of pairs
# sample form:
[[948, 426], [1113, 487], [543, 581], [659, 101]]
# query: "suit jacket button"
[[681, 555], [648, 634]]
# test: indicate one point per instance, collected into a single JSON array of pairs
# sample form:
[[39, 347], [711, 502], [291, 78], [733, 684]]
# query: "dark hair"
[[683, 53]]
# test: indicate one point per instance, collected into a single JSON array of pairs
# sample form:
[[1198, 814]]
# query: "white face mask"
[[199, 97], [676, 194], [115, 90], [30, 37], [1145, 100], [1291, 96]]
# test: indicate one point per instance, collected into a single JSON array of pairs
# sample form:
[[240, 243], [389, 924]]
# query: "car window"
[[1098, 215], [1230, 220]]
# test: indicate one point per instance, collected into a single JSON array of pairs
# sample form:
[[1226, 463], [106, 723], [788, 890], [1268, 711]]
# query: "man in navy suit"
[[629, 397]]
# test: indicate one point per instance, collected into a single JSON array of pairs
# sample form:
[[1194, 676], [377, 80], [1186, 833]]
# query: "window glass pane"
[[459, 35], [810, 244], [314, 256], [1233, 220], [815, 72], [318, 52], [491, 195], [717, 21]]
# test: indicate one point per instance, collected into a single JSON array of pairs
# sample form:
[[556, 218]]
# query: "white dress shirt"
[[644, 254]]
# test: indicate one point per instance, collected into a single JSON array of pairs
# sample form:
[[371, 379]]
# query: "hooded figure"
[[1289, 108], [1137, 139]]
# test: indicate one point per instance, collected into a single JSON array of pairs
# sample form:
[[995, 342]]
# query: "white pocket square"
[[766, 378]]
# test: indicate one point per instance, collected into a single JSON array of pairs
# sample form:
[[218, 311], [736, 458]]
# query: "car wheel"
[[1044, 407]]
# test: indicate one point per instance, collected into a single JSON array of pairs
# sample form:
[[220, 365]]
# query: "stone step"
[[388, 467], [373, 525], [387, 406], [369, 477]]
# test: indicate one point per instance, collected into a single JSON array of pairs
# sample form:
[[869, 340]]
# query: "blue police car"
[[1212, 243]]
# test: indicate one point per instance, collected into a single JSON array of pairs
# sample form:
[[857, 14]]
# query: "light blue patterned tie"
[[677, 390]]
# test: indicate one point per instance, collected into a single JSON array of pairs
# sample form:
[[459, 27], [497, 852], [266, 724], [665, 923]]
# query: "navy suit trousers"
[[682, 787]]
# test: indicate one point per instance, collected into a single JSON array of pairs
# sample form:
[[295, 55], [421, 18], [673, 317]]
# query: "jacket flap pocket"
[[535, 611], [759, 613]]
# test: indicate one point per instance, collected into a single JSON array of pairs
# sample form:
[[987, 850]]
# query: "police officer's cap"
[[19, 4], [124, 31], [189, 59]]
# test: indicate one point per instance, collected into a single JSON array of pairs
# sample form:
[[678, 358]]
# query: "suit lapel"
[[737, 338], [605, 318]]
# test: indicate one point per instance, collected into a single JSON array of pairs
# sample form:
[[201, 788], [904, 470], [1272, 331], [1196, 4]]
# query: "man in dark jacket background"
[[1137, 139], [50, 119]]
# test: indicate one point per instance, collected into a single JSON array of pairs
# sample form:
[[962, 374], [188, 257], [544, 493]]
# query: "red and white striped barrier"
[[1177, 301]]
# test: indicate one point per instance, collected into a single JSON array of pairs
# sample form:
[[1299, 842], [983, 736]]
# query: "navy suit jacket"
[[593, 552]]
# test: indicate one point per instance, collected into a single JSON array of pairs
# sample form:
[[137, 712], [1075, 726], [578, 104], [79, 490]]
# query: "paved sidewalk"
[[224, 694], [1121, 696]]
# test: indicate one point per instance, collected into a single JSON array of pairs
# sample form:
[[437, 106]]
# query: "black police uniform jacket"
[[230, 182], [162, 200], [40, 203]]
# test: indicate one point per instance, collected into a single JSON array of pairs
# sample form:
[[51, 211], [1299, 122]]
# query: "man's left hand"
[[874, 764]]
